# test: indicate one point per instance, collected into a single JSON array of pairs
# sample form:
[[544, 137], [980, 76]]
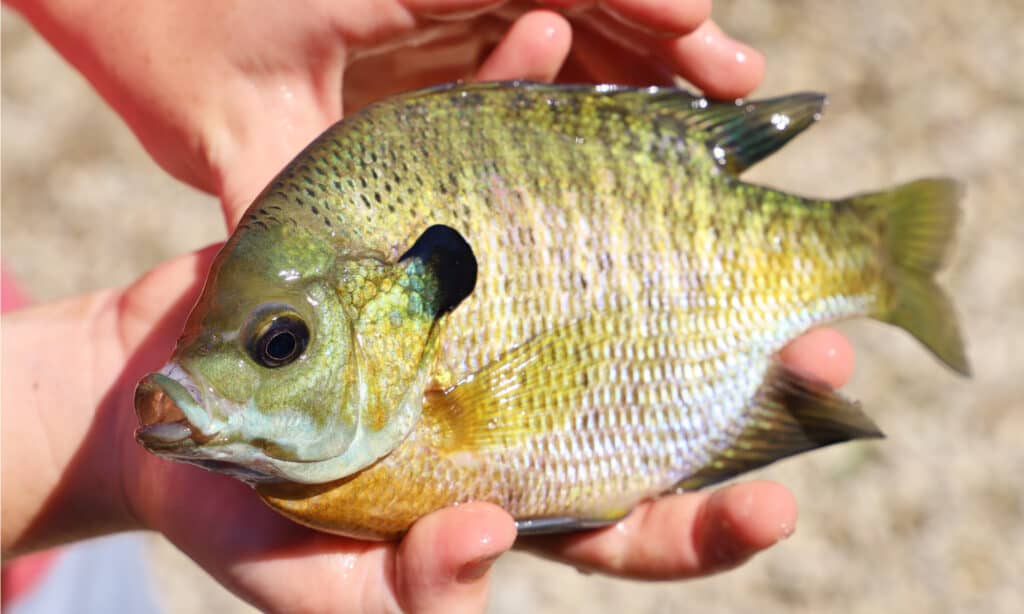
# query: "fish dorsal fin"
[[738, 134], [449, 259], [533, 388], [742, 133], [790, 414]]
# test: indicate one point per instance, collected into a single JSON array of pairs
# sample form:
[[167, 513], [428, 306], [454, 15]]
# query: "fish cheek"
[[227, 374], [301, 411]]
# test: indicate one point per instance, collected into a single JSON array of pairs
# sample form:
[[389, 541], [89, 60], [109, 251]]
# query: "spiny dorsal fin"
[[738, 133], [790, 414], [741, 134], [449, 258]]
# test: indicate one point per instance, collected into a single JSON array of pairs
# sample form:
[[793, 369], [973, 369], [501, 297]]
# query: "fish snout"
[[169, 415]]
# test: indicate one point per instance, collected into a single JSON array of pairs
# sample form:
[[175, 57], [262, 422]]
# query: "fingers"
[[450, 9], [534, 48], [632, 43], [442, 564], [717, 64], [823, 353], [739, 521], [682, 536], [154, 307], [603, 53], [610, 50], [670, 17]]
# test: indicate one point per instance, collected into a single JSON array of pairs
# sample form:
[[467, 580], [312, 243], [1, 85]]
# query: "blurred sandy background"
[[929, 520]]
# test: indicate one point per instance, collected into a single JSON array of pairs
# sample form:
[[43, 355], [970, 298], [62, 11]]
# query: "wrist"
[[141, 62]]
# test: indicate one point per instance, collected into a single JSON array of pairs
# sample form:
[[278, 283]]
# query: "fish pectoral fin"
[[790, 414], [534, 388], [741, 134]]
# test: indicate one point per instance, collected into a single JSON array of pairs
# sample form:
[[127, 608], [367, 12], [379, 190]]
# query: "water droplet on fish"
[[780, 121]]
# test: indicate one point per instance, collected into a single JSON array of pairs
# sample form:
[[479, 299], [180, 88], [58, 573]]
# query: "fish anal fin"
[[790, 414]]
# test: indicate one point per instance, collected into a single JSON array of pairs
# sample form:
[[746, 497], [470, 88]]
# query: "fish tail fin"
[[920, 220]]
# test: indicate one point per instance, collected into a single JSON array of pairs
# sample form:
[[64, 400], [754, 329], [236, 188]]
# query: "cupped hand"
[[441, 565], [222, 95]]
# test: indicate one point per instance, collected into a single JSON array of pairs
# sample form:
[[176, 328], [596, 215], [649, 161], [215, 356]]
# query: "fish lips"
[[170, 417]]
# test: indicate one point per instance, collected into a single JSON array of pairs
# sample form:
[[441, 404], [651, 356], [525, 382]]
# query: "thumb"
[[248, 158], [443, 563]]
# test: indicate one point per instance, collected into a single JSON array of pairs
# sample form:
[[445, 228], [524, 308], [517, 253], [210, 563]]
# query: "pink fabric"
[[11, 296], [22, 574]]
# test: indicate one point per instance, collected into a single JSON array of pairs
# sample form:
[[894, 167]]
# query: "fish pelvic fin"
[[920, 220], [791, 413], [563, 524]]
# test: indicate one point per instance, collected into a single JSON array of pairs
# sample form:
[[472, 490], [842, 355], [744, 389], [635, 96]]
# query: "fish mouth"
[[170, 416]]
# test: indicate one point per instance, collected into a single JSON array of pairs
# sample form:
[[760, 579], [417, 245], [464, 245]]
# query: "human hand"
[[441, 564], [222, 95], [72, 470], [227, 125], [77, 471]]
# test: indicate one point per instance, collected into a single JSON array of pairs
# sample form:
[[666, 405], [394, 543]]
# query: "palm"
[[223, 526]]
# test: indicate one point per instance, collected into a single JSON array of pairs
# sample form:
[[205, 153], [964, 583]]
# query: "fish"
[[561, 299]]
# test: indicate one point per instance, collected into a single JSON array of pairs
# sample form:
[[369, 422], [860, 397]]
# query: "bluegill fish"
[[560, 299]]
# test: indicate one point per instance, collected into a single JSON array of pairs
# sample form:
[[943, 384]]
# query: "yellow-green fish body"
[[557, 299]]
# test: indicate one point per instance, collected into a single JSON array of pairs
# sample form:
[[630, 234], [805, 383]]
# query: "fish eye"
[[279, 340]]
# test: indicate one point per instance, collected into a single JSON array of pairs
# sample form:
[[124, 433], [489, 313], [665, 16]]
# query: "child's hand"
[[72, 469], [222, 95]]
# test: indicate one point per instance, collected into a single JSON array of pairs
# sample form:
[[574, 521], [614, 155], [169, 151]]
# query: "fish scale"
[[561, 300]]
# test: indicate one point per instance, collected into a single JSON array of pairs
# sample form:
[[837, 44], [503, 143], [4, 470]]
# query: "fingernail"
[[471, 572]]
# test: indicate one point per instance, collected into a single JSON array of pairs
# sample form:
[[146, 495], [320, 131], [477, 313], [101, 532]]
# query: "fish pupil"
[[281, 346], [282, 342]]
